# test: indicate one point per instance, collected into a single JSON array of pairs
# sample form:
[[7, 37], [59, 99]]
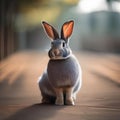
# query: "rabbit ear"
[[51, 32], [67, 29]]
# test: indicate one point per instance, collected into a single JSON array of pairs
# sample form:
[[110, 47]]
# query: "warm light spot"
[[92, 5], [116, 6], [71, 2]]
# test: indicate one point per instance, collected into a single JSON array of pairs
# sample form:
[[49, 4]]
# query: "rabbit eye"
[[63, 44], [51, 44]]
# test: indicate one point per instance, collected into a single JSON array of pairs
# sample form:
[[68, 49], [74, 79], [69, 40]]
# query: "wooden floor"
[[98, 99]]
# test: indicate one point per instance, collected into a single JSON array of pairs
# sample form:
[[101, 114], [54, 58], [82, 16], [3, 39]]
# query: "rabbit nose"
[[56, 52]]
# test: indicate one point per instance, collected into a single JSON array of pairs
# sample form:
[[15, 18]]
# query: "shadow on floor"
[[7, 89], [36, 112]]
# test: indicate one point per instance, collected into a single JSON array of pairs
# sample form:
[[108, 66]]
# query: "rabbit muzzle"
[[55, 54]]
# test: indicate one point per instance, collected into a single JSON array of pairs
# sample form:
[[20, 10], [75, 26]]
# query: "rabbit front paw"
[[59, 101], [69, 102], [59, 96]]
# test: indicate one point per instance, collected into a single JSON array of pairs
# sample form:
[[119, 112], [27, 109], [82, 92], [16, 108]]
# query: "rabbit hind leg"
[[46, 99]]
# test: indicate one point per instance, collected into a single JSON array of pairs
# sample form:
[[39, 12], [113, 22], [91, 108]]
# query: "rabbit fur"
[[62, 78]]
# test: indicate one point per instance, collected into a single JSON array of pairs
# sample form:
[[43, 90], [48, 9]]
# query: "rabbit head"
[[59, 45]]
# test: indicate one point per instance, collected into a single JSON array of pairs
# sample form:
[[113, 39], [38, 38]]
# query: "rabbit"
[[62, 78]]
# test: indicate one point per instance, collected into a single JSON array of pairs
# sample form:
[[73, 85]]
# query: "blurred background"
[[97, 24], [23, 57]]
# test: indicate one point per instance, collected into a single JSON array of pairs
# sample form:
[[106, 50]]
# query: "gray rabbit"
[[62, 79]]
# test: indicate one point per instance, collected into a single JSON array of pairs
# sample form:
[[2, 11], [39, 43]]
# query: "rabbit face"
[[59, 45], [59, 50]]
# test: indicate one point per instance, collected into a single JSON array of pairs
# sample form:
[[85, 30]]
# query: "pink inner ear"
[[49, 30], [67, 29]]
